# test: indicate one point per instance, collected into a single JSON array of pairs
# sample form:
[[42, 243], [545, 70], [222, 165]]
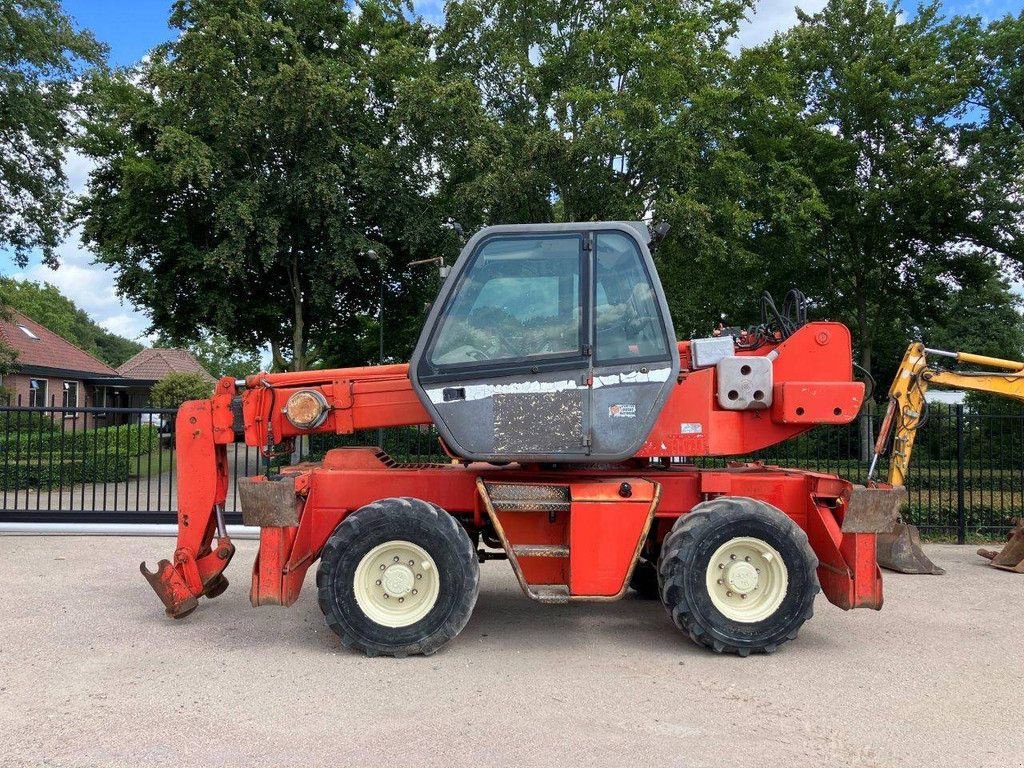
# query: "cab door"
[[636, 357], [503, 364]]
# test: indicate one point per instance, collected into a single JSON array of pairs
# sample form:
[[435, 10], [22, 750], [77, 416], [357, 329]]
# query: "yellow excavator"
[[900, 550]]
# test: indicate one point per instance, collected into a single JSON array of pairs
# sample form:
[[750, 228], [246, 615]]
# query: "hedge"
[[28, 421], [127, 440], [39, 473]]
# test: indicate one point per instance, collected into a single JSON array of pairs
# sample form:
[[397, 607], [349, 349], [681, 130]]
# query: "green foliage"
[[8, 359], [884, 136], [27, 421], [127, 440], [175, 388], [40, 474], [997, 142], [45, 304], [41, 55], [42, 455], [246, 169], [221, 358]]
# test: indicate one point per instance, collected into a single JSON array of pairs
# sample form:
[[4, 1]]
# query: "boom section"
[[907, 403]]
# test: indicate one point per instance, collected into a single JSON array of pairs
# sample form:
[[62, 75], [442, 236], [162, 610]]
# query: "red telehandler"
[[550, 368]]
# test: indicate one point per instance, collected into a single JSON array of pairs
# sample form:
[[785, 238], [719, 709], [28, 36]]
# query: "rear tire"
[[398, 577], [738, 576]]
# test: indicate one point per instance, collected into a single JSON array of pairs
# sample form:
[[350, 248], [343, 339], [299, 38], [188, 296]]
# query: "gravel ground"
[[92, 674]]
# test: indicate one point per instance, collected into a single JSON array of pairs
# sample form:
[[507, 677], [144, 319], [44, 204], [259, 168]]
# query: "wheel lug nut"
[[419, 575], [386, 595], [721, 566], [721, 582], [732, 557], [382, 566], [378, 582], [402, 599], [747, 558], [396, 558], [727, 594], [743, 597], [415, 592], [411, 562]]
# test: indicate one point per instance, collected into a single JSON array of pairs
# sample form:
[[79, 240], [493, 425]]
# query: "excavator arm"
[[905, 414]]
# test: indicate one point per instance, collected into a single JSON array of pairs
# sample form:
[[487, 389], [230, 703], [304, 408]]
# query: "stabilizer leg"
[[197, 566]]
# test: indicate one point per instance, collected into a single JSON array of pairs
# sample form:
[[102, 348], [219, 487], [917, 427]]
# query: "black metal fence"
[[966, 478], [117, 465], [101, 465]]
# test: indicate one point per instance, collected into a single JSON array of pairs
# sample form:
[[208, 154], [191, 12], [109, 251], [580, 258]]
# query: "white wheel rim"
[[747, 579], [396, 583]]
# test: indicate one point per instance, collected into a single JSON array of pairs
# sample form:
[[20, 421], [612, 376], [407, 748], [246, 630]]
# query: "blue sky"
[[132, 27]]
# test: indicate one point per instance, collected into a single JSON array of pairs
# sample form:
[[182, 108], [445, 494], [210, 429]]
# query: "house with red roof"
[[51, 371], [150, 365]]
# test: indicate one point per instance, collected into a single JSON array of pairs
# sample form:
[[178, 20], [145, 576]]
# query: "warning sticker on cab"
[[622, 411], [691, 428]]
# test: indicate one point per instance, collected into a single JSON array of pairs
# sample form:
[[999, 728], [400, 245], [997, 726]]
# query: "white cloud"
[[771, 16], [91, 287], [77, 168]]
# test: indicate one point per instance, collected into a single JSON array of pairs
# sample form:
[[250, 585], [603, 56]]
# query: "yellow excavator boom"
[[900, 550]]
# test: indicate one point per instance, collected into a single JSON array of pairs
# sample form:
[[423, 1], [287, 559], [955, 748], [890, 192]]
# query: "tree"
[[175, 388], [45, 304], [246, 171], [613, 111], [886, 135], [584, 109], [42, 57], [995, 147]]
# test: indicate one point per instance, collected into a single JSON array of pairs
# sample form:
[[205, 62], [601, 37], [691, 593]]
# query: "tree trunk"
[[298, 324], [277, 359], [298, 342]]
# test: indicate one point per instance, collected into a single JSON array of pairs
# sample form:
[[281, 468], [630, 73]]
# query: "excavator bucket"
[[900, 550], [1011, 556]]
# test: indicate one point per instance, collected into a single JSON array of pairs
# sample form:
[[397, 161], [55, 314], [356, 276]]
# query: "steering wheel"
[[504, 330]]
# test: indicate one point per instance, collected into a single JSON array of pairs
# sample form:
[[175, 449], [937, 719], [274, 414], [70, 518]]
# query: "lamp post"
[[374, 256], [442, 269]]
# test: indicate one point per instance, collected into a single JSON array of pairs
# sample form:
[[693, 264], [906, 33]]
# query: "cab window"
[[519, 299], [628, 321]]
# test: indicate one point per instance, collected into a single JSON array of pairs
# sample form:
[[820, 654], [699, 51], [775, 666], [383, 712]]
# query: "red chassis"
[[611, 516]]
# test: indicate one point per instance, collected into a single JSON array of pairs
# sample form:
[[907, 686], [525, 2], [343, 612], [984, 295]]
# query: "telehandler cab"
[[550, 368]]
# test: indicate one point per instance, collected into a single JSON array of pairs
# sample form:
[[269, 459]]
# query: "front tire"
[[738, 576], [398, 577]]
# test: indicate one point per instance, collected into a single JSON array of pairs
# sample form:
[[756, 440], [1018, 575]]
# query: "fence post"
[[961, 519]]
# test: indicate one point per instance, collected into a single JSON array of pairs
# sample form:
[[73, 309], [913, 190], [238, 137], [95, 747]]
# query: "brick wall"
[[17, 386]]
